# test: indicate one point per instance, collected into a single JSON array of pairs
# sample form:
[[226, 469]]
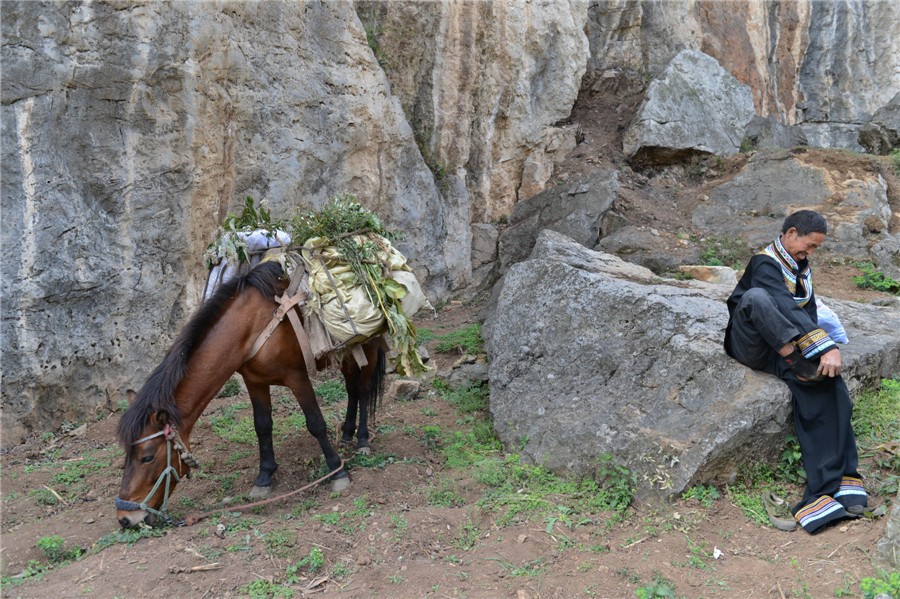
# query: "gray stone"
[[886, 256], [574, 208], [888, 548], [467, 374], [404, 390], [640, 246], [768, 132], [592, 355], [773, 184], [881, 135], [694, 107]]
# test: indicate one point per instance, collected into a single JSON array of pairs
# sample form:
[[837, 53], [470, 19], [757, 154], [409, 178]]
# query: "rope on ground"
[[197, 517]]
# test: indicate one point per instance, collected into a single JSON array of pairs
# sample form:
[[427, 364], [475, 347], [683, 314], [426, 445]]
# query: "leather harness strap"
[[288, 301]]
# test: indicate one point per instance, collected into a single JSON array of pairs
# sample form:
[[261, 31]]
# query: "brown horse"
[[215, 343]]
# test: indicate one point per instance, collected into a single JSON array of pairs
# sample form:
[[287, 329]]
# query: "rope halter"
[[173, 439]]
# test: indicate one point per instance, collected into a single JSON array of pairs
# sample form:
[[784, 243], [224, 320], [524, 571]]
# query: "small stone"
[[364, 560], [404, 390], [521, 538], [89, 520]]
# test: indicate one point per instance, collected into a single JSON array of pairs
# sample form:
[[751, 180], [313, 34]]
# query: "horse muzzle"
[[131, 514]]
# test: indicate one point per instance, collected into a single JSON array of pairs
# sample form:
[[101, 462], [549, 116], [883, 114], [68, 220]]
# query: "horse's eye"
[[147, 459]]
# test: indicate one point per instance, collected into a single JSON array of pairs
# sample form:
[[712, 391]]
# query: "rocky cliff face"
[[827, 66], [131, 129], [483, 84]]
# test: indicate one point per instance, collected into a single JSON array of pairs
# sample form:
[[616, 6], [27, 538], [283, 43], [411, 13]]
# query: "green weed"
[[312, 563], [265, 589], [52, 547], [875, 279], [332, 392], [888, 584], [702, 493], [230, 389], [660, 587], [725, 251]]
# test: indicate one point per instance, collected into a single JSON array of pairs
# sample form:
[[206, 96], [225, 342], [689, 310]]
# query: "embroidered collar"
[[798, 282], [785, 256]]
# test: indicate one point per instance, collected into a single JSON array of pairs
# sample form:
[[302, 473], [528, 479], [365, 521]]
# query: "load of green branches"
[[359, 235]]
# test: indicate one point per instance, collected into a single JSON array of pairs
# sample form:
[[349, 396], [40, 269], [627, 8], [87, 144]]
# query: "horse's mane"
[[158, 393]]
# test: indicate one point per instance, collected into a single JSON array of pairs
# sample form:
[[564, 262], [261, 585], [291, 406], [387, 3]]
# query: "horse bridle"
[[172, 439]]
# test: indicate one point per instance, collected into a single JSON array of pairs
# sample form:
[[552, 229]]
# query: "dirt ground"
[[391, 534]]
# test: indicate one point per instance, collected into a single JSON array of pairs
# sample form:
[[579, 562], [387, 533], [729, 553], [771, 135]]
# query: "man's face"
[[800, 247]]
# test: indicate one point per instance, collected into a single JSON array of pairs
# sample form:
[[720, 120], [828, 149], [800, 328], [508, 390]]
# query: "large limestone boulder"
[[694, 107], [881, 135], [590, 355], [130, 129], [769, 132], [851, 194], [575, 209]]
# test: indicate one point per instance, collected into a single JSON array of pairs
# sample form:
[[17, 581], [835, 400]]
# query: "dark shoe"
[[868, 512]]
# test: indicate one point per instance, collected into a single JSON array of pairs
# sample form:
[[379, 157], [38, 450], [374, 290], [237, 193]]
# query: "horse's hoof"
[[364, 450], [260, 492], [347, 441], [339, 484]]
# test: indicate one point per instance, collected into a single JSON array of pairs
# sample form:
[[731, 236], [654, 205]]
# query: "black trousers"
[[822, 412]]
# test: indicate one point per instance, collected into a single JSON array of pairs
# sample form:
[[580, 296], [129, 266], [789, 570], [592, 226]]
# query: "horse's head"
[[155, 460]]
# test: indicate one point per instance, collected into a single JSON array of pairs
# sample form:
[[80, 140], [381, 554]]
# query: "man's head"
[[802, 232]]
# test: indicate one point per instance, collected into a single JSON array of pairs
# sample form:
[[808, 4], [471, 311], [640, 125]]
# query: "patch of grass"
[[875, 279], [705, 494], [532, 568], [424, 335], [229, 427], [528, 492], [312, 563], [280, 542], [473, 397], [444, 495], [725, 251], [895, 161], [660, 587], [128, 536], [467, 340], [466, 536], [332, 391], [231, 388], [52, 547], [33, 571], [265, 589]]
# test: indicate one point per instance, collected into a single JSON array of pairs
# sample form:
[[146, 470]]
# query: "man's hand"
[[830, 363]]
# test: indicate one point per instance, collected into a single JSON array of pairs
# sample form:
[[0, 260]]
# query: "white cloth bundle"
[[256, 242]]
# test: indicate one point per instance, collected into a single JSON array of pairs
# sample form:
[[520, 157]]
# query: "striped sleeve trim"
[[814, 343]]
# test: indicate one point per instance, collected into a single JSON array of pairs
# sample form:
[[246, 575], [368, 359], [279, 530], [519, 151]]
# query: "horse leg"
[[364, 387], [315, 424], [261, 400]]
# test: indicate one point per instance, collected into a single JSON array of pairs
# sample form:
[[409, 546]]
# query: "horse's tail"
[[376, 387]]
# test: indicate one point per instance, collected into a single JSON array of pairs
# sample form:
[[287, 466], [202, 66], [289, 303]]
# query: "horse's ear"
[[131, 396], [161, 418]]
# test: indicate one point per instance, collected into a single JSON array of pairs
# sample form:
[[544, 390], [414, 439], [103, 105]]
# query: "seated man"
[[773, 327]]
